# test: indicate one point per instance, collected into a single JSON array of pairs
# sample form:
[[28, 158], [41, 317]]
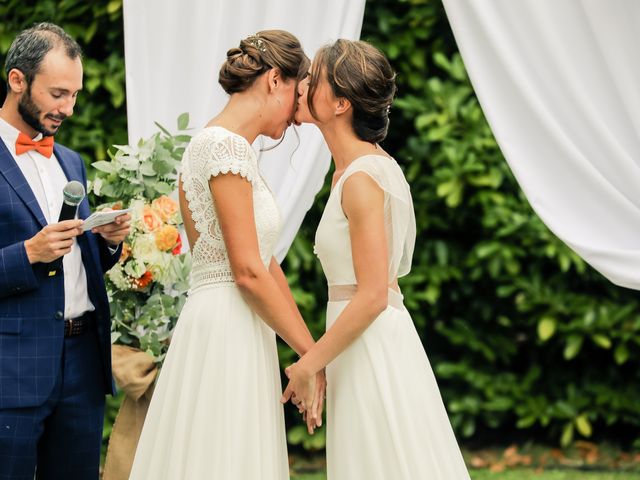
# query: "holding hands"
[[307, 392]]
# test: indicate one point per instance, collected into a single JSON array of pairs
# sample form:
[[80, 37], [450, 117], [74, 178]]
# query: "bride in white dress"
[[385, 417], [215, 412]]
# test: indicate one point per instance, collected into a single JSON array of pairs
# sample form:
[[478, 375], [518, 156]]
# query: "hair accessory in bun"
[[257, 42]]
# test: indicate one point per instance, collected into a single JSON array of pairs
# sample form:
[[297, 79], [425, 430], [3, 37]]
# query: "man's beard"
[[30, 113]]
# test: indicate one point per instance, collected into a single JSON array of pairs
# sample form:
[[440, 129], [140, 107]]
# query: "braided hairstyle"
[[257, 54]]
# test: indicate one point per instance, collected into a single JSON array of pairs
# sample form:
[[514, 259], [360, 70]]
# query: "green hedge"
[[527, 341], [100, 117]]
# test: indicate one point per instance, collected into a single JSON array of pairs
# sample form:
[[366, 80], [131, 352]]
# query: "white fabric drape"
[[559, 83], [173, 52]]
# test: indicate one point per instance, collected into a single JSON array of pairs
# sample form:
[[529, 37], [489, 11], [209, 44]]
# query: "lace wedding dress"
[[385, 416], [215, 412]]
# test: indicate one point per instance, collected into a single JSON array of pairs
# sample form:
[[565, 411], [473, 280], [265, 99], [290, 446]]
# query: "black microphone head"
[[73, 193]]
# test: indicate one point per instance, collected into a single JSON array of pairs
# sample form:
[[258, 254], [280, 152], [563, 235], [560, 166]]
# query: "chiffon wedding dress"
[[215, 412], [385, 417]]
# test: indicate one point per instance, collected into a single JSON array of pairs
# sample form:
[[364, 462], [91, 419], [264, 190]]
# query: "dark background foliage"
[[527, 341]]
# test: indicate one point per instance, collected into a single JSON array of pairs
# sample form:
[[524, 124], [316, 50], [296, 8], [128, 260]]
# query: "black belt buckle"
[[77, 326]]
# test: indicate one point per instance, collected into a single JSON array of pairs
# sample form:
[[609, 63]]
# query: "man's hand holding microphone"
[[55, 240]]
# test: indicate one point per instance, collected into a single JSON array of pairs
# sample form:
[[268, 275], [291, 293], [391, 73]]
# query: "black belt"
[[79, 325]]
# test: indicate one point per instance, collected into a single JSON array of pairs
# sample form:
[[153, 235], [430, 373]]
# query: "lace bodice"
[[333, 242], [216, 151]]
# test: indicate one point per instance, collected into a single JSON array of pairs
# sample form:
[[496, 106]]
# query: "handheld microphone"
[[73, 194]]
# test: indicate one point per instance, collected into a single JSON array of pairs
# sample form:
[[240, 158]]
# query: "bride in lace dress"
[[215, 411], [385, 417]]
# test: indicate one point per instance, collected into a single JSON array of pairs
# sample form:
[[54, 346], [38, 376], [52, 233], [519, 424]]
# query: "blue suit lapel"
[[12, 173]]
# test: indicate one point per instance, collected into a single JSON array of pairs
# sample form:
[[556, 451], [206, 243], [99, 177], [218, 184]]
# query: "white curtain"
[[173, 52], [559, 82]]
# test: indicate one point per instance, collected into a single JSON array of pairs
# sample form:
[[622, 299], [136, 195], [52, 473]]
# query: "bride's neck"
[[243, 115], [345, 147]]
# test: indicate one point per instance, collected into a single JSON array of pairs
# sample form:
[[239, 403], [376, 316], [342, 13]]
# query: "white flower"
[[145, 251], [134, 268], [96, 186], [118, 277], [137, 207]]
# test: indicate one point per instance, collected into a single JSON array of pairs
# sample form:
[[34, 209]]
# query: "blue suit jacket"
[[31, 302]]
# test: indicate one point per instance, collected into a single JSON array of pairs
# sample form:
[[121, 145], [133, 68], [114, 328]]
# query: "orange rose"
[[166, 237], [126, 252], [151, 219], [144, 280], [165, 207]]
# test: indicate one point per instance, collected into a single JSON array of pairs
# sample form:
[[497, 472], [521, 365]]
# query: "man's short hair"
[[31, 45]]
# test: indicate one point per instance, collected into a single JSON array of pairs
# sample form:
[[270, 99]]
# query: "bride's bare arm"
[[233, 198], [321, 383], [363, 204], [278, 275]]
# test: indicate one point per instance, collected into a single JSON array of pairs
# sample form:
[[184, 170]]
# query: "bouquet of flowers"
[[147, 287], [155, 240]]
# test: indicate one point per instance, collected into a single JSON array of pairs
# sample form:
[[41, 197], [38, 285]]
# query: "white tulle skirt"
[[385, 416], [215, 412]]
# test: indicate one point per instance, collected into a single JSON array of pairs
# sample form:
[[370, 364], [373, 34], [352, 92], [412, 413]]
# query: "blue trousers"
[[60, 439]]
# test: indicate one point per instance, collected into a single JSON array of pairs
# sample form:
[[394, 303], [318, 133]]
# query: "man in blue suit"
[[55, 349]]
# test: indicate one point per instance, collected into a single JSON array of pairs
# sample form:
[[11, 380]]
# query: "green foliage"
[[144, 312], [298, 435], [111, 411], [519, 329], [99, 118], [522, 334], [145, 171]]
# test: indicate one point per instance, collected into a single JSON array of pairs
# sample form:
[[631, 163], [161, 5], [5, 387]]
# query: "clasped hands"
[[307, 392]]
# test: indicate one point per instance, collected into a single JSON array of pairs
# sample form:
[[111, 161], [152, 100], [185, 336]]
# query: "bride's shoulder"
[[213, 134], [378, 166], [383, 169], [215, 151], [372, 161]]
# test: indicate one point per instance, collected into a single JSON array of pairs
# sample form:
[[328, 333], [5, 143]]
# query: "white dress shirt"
[[47, 180]]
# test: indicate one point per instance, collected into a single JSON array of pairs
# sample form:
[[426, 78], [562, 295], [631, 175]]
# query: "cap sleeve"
[[214, 151], [213, 155]]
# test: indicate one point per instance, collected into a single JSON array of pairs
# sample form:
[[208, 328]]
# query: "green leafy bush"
[[100, 117], [525, 338]]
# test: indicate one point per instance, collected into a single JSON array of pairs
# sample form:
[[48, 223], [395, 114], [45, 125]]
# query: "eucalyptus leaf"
[[183, 121], [104, 166]]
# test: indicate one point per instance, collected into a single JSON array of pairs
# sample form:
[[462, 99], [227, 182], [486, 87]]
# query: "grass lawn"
[[524, 474], [583, 461]]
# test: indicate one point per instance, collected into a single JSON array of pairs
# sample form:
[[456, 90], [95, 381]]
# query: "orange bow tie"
[[24, 144]]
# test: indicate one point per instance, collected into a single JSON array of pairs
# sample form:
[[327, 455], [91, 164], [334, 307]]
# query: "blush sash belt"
[[343, 293]]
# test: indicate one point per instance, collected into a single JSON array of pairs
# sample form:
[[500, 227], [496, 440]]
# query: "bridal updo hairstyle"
[[257, 54], [359, 72]]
